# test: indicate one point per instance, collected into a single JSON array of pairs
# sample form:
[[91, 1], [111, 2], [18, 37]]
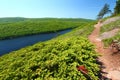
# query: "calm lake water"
[[9, 45]]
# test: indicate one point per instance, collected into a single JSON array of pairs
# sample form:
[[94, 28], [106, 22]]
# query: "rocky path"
[[111, 62]]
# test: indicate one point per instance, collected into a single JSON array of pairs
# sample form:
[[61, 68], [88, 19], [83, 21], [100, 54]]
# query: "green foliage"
[[11, 19], [117, 8], [36, 26], [83, 31], [55, 59], [52, 60], [103, 11]]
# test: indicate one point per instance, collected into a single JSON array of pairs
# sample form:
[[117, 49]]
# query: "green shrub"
[[52, 60]]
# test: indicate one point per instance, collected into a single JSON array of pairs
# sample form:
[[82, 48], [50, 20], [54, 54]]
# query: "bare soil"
[[110, 61]]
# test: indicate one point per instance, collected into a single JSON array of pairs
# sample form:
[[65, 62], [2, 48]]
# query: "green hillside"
[[87, 50], [52, 60], [35, 26], [56, 59], [11, 19]]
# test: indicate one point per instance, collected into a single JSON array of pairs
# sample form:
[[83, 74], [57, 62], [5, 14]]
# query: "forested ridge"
[[30, 26]]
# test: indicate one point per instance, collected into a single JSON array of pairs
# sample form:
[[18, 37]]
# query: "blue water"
[[9, 45]]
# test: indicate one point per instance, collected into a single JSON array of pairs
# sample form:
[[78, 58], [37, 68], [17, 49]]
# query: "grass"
[[83, 31], [107, 42]]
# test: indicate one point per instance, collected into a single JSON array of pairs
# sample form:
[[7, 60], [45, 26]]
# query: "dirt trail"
[[111, 62]]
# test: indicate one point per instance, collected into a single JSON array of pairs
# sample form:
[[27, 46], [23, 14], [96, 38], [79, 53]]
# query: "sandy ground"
[[111, 62]]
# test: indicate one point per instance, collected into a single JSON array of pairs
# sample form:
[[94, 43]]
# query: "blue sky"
[[53, 8]]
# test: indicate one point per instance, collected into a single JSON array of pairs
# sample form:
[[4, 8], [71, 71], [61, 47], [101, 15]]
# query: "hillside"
[[103, 34], [17, 19], [63, 56], [11, 19], [32, 26], [55, 59], [51, 42]]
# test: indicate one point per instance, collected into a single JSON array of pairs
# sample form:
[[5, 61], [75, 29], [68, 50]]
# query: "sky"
[[53, 8]]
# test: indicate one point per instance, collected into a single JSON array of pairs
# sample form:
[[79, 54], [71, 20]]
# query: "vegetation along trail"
[[110, 62]]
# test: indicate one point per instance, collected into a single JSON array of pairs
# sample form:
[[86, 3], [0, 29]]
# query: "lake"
[[9, 45]]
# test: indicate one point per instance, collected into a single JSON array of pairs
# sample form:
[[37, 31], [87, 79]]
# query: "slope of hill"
[[17, 19], [36, 26], [56, 59], [110, 59], [11, 19]]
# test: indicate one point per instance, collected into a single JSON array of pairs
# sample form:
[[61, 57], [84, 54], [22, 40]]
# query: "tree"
[[103, 11], [117, 8]]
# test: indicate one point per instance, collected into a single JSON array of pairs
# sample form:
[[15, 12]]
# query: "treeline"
[[17, 19], [12, 19], [36, 26]]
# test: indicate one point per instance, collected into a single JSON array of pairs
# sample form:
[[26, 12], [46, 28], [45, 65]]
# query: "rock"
[[114, 75]]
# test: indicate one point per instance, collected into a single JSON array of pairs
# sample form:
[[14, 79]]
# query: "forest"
[[23, 27]]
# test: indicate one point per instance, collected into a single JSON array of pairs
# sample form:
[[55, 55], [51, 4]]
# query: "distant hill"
[[11, 19], [60, 19], [15, 27], [17, 19]]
